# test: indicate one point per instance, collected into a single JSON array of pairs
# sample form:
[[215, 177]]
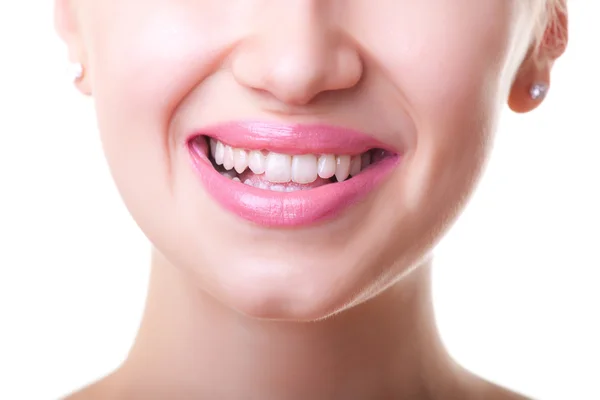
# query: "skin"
[[338, 310]]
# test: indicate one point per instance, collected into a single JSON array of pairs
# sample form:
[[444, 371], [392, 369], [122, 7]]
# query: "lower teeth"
[[231, 175], [263, 185]]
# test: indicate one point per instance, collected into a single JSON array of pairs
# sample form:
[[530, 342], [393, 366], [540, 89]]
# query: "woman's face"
[[423, 80]]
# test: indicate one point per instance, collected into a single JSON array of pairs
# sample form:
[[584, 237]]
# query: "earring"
[[76, 71], [538, 91]]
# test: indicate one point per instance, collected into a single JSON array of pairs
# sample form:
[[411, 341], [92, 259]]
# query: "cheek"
[[141, 68], [449, 72], [149, 59], [452, 89]]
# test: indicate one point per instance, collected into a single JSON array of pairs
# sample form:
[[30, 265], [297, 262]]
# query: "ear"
[[66, 24], [537, 67]]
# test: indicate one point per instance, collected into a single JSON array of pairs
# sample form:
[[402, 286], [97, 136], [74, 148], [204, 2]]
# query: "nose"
[[297, 53]]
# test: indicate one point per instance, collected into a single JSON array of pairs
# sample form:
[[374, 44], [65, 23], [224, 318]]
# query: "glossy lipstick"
[[297, 208]]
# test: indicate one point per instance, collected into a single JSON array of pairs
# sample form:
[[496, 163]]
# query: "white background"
[[516, 281]]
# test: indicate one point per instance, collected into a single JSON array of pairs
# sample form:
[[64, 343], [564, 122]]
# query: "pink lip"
[[289, 209], [293, 139]]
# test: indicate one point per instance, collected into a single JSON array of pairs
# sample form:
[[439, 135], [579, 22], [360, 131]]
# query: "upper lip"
[[293, 138]]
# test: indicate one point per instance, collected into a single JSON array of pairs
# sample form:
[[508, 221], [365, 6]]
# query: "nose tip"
[[295, 67], [298, 80]]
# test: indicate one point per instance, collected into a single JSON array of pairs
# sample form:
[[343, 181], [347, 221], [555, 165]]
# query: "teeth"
[[228, 158], [327, 166], [355, 165], [304, 168], [279, 168], [257, 162], [229, 174], [219, 153], [342, 170], [277, 188], [240, 160], [213, 147], [283, 168], [260, 185]]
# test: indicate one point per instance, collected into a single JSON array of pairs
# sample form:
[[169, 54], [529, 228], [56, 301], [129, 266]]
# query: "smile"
[[288, 175]]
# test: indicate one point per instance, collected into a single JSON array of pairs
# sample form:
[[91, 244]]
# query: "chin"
[[287, 290]]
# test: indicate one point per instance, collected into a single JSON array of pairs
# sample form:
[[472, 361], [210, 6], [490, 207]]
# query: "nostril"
[[296, 64]]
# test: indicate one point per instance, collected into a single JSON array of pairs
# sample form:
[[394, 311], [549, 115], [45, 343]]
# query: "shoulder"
[[102, 389], [463, 384], [495, 392], [480, 388]]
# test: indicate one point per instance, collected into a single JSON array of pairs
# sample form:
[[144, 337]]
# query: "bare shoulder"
[[499, 393], [480, 388], [105, 388]]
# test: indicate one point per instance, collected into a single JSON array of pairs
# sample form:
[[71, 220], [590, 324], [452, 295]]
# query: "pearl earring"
[[538, 91], [76, 71]]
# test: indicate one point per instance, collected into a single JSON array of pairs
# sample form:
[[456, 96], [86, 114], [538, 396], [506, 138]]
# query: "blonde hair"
[[548, 12]]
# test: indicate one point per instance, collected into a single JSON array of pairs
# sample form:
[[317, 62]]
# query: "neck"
[[188, 342]]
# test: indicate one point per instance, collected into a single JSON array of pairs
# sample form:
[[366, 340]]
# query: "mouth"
[[269, 170], [282, 176]]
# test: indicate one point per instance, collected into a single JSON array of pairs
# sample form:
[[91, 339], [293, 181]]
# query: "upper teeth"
[[283, 168]]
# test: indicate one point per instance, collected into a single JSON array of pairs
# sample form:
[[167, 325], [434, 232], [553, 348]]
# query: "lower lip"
[[288, 209]]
